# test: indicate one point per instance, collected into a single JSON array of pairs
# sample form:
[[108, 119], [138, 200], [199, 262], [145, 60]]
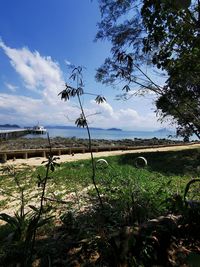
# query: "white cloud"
[[26, 110], [126, 118], [40, 74], [11, 87], [43, 75], [107, 109]]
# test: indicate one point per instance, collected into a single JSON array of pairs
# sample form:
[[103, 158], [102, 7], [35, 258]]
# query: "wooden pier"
[[43, 152], [9, 134]]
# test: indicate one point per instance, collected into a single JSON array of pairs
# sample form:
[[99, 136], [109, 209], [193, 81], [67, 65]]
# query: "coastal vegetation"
[[113, 212], [155, 35], [9, 125], [61, 142], [78, 232]]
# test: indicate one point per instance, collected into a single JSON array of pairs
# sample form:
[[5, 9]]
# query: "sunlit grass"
[[121, 182]]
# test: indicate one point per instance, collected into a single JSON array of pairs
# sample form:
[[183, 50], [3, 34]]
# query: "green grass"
[[169, 163], [167, 174], [130, 196], [120, 183]]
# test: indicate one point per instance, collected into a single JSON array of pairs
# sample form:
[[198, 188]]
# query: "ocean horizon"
[[107, 134], [104, 134]]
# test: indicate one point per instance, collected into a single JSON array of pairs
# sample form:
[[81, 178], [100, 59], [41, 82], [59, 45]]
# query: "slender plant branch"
[[90, 147], [42, 198], [160, 92]]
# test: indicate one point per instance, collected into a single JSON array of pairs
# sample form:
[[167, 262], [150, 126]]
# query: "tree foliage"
[[161, 33]]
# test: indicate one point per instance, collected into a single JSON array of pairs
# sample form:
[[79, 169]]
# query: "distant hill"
[[9, 126], [114, 129], [67, 127], [74, 127], [164, 131]]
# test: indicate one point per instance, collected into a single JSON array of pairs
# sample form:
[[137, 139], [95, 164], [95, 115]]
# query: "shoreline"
[[65, 142], [36, 161]]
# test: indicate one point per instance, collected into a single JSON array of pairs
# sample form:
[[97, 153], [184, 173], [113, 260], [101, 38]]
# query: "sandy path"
[[67, 158]]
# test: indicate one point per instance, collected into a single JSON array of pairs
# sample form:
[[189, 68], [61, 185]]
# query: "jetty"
[[44, 152], [8, 134]]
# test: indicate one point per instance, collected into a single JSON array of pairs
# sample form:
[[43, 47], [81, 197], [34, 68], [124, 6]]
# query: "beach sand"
[[67, 158]]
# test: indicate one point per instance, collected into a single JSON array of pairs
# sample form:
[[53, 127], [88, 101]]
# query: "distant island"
[[74, 127], [164, 131], [9, 126], [114, 129]]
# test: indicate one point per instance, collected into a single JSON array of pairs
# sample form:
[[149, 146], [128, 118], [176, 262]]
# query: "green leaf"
[[33, 208], [100, 99], [44, 221], [188, 186], [126, 88], [9, 219]]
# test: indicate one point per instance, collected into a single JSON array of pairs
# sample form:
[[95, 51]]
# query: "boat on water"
[[38, 129]]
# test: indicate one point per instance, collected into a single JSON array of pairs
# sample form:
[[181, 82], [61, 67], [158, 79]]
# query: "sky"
[[39, 39]]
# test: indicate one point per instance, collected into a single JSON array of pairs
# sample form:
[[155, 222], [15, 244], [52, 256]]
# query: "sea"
[[102, 134]]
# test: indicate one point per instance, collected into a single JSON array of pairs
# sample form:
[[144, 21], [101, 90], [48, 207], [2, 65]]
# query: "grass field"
[[166, 174], [130, 195]]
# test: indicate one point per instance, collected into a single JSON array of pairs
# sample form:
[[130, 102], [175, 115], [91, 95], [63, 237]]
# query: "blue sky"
[[38, 39]]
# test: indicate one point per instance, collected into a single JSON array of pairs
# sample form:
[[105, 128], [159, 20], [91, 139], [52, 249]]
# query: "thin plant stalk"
[[91, 153], [42, 198]]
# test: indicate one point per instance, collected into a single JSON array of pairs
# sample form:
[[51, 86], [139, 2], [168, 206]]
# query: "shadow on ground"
[[94, 240], [170, 162], [78, 240]]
